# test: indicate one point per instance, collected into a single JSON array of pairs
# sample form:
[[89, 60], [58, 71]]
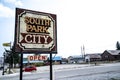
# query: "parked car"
[[29, 68]]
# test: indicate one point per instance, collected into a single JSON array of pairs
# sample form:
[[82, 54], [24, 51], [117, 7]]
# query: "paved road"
[[92, 73], [102, 72]]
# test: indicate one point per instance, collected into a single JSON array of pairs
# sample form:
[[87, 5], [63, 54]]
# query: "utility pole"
[[84, 52]]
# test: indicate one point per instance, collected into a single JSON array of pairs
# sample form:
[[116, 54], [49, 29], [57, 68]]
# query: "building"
[[75, 59], [110, 55], [64, 60], [57, 59], [93, 57]]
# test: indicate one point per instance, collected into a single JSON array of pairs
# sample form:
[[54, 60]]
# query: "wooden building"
[[110, 55], [93, 57]]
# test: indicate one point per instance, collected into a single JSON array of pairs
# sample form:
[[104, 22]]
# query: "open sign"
[[37, 57]]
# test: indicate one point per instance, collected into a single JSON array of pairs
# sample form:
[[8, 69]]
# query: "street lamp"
[[10, 51]]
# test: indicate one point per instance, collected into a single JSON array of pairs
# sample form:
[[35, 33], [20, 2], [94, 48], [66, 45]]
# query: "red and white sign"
[[37, 57], [35, 31]]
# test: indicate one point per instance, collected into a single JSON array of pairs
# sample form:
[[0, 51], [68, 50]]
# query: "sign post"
[[51, 68], [35, 32], [21, 66]]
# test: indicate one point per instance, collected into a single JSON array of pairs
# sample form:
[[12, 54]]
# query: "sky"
[[94, 24]]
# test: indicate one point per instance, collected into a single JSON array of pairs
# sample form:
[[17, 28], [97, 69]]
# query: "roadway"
[[78, 72]]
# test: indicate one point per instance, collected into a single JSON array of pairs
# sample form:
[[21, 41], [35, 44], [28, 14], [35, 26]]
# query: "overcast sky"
[[92, 23]]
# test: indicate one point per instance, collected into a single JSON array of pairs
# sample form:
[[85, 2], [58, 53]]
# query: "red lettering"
[[31, 57], [37, 57], [43, 57]]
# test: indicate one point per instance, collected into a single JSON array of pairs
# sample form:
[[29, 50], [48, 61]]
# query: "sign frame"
[[48, 42]]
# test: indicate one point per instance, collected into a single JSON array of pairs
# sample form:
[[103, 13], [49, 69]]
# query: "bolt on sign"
[[35, 31]]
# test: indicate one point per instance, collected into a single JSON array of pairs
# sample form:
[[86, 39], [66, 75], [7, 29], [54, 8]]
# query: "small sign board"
[[35, 32], [36, 57]]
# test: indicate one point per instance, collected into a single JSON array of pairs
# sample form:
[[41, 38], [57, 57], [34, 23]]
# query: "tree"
[[11, 57], [15, 57], [117, 46]]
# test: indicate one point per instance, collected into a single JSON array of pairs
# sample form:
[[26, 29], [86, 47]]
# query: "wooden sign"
[[35, 32]]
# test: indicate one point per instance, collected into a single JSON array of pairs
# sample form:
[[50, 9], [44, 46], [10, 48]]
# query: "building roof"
[[57, 58], [114, 52], [75, 56], [94, 55]]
